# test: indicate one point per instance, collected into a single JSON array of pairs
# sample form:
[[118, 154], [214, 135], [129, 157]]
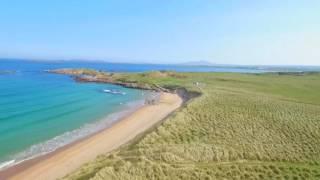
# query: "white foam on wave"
[[6, 164], [71, 136]]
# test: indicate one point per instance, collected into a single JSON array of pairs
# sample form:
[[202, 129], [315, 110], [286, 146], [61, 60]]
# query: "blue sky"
[[279, 32]]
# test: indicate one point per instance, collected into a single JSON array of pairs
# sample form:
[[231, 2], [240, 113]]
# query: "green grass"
[[244, 126]]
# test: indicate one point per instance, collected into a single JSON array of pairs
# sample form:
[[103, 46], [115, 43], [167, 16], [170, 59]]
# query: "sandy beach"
[[67, 159]]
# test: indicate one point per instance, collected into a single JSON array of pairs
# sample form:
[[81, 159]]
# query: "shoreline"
[[69, 157], [107, 122]]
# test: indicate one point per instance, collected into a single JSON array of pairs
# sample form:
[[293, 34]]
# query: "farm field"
[[243, 126]]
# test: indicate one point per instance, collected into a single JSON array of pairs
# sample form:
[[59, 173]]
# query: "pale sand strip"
[[72, 157]]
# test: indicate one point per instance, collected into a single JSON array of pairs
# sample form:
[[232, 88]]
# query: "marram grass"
[[244, 126]]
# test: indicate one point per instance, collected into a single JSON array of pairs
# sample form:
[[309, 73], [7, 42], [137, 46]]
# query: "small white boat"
[[113, 91]]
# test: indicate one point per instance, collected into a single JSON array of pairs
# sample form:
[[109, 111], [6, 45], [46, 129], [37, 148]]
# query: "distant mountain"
[[198, 63]]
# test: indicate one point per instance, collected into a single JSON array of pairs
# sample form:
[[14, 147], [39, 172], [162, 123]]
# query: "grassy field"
[[243, 126]]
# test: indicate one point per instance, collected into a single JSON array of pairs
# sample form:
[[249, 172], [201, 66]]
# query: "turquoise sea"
[[40, 112]]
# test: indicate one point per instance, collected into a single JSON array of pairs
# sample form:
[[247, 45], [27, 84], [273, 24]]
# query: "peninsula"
[[258, 126]]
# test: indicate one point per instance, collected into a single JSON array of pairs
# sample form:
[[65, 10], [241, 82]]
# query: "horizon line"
[[210, 64]]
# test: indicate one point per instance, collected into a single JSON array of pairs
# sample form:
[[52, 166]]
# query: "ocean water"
[[40, 112]]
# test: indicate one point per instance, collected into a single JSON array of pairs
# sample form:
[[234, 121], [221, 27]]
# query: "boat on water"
[[113, 91]]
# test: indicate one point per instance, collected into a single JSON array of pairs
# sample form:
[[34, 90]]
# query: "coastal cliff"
[[90, 75]]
